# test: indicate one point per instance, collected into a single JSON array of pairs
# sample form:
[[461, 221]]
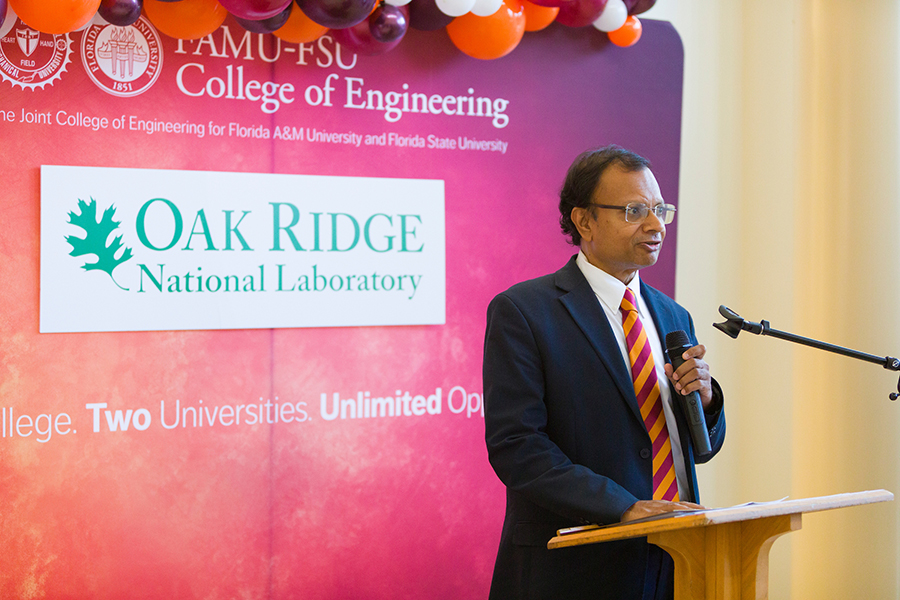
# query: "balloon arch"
[[483, 29]]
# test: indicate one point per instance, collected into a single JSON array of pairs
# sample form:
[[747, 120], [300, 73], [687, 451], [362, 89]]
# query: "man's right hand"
[[648, 508]]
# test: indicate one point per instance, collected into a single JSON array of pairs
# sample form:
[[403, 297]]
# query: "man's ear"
[[581, 218]]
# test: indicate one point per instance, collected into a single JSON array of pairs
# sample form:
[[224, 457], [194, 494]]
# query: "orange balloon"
[[55, 16], [490, 37], [628, 34], [538, 17], [300, 29], [186, 19]]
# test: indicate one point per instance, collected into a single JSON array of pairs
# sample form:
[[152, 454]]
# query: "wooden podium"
[[721, 553]]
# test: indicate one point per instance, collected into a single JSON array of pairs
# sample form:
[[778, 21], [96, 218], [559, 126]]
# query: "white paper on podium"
[[667, 515]]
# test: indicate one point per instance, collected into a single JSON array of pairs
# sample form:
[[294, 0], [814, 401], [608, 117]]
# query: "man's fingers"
[[698, 351], [695, 364], [692, 379], [689, 506]]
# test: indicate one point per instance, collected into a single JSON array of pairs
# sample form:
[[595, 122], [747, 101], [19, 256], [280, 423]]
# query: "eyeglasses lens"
[[637, 212]]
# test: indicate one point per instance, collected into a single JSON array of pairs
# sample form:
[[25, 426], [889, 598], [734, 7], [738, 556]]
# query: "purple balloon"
[[255, 10], [360, 38], [2, 11], [266, 25], [424, 15], [337, 14], [580, 12], [120, 12], [388, 23], [636, 7]]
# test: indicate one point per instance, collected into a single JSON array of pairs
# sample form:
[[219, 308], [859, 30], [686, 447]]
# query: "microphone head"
[[677, 339]]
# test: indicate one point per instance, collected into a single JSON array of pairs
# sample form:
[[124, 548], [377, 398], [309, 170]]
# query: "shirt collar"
[[607, 288]]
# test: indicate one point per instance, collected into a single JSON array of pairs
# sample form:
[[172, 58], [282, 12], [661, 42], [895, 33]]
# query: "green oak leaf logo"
[[94, 242]]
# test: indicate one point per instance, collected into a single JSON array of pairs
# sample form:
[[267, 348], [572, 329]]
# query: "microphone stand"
[[734, 324]]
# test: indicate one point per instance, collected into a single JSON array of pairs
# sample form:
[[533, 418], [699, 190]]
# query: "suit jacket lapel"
[[587, 313]]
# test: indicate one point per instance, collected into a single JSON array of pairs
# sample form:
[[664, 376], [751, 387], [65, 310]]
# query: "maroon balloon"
[[360, 37], [636, 7], [388, 23], [2, 11], [424, 15], [580, 13], [255, 10], [337, 14], [119, 12], [267, 25]]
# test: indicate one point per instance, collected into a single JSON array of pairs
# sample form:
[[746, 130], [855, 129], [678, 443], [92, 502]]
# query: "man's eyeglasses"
[[637, 212]]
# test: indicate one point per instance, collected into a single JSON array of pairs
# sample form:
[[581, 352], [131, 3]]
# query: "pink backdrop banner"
[[321, 506]]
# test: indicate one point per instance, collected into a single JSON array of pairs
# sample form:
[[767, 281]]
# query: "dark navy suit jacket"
[[565, 435]]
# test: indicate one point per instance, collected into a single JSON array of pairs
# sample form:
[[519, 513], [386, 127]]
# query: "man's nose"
[[653, 223]]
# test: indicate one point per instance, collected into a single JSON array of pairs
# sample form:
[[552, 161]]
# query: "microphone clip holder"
[[734, 324]]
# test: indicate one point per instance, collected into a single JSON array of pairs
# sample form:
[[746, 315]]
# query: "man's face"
[[610, 242]]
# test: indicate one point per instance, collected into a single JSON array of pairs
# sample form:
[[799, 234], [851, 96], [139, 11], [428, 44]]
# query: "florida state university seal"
[[122, 61]]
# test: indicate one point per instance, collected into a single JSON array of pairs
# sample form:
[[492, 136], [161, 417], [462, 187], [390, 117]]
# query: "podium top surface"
[[592, 534]]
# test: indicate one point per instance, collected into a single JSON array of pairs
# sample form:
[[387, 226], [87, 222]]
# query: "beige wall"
[[790, 212]]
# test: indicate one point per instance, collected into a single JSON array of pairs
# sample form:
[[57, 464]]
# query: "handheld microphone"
[[677, 343]]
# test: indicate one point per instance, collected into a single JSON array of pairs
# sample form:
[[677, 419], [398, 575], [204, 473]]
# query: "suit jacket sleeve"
[[522, 454]]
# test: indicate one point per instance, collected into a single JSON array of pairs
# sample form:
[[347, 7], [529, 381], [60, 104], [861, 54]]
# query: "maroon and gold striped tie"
[[646, 388]]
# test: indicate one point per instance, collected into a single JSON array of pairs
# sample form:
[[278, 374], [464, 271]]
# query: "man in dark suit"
[[567, 375]]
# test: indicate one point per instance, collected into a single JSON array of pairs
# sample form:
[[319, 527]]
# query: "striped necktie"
[[646, 388]]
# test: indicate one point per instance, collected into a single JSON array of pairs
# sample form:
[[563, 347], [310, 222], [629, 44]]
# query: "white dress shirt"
[[609, 292]]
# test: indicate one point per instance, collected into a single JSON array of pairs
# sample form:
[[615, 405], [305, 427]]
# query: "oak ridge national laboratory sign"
[[145, 249]]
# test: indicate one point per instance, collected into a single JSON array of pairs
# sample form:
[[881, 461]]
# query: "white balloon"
[[8, 21], [455, 8], [485, 8], [97, 20], [397, 2], [613, 16]]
